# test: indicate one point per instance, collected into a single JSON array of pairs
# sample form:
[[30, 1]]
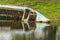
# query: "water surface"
[[28, 31]]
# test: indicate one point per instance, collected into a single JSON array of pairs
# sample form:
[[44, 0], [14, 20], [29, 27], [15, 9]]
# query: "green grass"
[[50, 9]]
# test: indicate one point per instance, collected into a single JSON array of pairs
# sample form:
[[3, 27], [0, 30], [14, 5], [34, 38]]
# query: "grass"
[[50, 8]]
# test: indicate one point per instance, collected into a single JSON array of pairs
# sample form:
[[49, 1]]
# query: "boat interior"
[[8, 14]]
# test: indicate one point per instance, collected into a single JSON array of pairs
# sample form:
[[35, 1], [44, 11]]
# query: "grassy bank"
[[50, 8]]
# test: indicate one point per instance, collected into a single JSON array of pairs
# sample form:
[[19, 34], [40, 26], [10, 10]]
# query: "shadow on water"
[[28, 31]]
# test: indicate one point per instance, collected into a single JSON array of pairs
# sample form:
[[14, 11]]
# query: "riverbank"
[[50, 9]]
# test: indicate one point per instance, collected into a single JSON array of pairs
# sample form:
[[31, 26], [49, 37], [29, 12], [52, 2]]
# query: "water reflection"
[[58, 34], [27, 31], [52, 33], [40, 31]]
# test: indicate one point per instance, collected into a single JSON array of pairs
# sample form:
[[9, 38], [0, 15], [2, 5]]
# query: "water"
[[28, 31]]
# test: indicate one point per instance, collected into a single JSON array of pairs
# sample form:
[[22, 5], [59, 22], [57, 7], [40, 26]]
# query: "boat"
[[20, 13]]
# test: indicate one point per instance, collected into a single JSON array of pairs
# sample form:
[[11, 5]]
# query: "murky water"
[[28, 31]]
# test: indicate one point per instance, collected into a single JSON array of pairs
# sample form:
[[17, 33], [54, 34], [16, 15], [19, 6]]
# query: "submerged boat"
[[20, 13]]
